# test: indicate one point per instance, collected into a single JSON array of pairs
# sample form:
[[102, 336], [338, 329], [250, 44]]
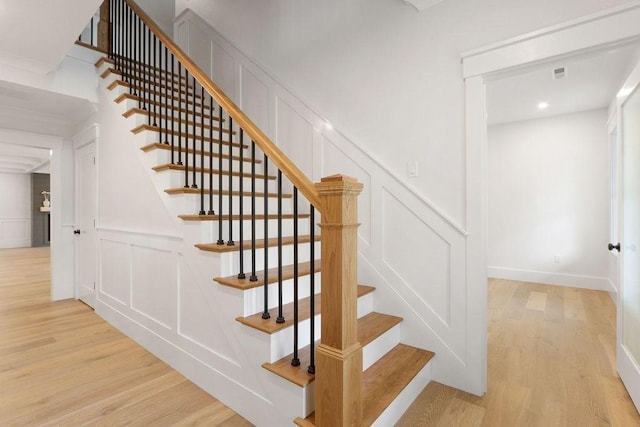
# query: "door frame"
[[87, 137], [606, 29], [625, 363]]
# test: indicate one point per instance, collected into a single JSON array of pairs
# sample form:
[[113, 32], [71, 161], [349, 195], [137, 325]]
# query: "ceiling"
[[592, 81], [21, 159], [35, 35], [35, 111]]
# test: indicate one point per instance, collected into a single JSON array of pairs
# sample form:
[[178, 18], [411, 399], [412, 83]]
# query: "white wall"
[[161, 11], [385, 75], [549, 200], [15, 210]]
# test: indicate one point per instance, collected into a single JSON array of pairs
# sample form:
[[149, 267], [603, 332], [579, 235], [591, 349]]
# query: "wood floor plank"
[[545, 368], [62, 365]]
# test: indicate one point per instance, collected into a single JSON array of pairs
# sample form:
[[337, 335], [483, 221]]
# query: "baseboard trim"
[[551, 278]]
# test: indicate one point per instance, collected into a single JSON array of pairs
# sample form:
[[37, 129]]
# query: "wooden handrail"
[[275, 155]]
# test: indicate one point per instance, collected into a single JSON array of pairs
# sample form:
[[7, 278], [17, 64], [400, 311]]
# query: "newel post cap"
[[339, 184]]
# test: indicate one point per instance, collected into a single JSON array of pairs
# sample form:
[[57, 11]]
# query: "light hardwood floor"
[[62, 365], [551, 362]]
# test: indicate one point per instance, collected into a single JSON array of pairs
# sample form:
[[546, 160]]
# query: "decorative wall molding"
[[421, 5]]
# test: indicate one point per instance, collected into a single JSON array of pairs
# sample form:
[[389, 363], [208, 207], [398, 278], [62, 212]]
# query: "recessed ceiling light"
[[543, 105]]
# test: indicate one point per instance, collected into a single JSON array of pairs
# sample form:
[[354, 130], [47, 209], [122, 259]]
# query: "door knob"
[[616, 247], [76, 231]]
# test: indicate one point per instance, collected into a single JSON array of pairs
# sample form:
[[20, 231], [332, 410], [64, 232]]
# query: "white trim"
[[552, 278], [628, 367], [139, 233], [615, 25]]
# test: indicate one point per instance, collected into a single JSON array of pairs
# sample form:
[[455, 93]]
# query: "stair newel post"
[[339, 355]]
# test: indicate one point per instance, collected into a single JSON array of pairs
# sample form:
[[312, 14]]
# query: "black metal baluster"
[[265, 313], [220, 218], [230, 242], [179, 114], [186, 129], [142, 99], [135, 42], [241, 275], [202, 211], [147, 81], [91, 38], [165, 103], [312, 291], [296, 360], [253, 277], [156, 81], [193, 79], [173, 109], [280, 318], [211, 211]]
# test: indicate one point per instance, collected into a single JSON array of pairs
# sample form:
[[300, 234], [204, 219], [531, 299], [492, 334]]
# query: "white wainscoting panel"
[[294, 135], [115, 271], [424, 263], [254, 99], [15, 232], [153, 279]]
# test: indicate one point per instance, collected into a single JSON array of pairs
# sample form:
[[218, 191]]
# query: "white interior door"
[[86, 242], [629, 297]]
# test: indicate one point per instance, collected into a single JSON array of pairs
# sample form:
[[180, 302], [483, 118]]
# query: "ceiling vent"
[[559, 73]]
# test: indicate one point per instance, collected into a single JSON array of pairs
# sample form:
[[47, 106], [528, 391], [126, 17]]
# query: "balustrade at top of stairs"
[[249, 195]]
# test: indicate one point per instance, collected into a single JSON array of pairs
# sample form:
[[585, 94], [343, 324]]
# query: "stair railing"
[[202, 127]]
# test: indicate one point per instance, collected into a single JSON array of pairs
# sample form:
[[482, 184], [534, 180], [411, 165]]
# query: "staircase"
[[242, 201]]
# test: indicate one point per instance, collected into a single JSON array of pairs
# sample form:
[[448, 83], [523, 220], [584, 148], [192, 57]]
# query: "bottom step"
[[384, 381]]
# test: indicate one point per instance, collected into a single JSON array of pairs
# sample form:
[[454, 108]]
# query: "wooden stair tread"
[[151, 128], [304, 269], [196, 217], [169, 166], [386, 378], [286, 240], [370, 327], [137, 66], [118, 99], [310, 421], [183, 190], [270, 326], [167, 147], [180, 96], [130, 112]]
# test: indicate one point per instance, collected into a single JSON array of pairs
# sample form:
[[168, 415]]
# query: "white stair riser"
[[183, 125], [176, 179], [191, 203], [254, 298], [399, 406], [377, 348], [207, 231], [282, 341], [163, 157], [230, 262]]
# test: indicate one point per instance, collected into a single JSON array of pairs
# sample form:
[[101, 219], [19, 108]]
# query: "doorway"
[[614, 27]]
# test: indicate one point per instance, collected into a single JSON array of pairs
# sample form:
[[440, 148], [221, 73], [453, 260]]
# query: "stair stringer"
[[224, 361]]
